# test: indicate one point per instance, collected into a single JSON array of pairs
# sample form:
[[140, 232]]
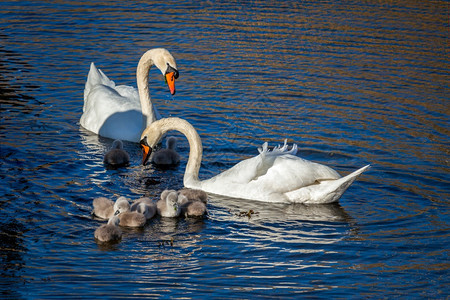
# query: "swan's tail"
[[96, 77], [326, 191]]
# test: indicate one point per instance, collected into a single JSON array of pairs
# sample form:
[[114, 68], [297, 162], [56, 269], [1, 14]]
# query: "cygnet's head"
[[182, 199], [121, 205], [172, 200], [117, 144], [195, 195], [142, 208], [165, 193], [114, 220], [171, 142]]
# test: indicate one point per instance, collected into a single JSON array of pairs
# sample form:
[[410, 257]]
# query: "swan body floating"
[[272, 176], [116, 157], [119, 111], [109, 232], [167, 156]]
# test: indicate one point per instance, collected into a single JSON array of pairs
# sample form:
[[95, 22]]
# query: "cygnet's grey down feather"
[[168, 206], [121, 205], [127, 217], [144, 206], [103, 207], [132, 219], [192, 202], [167, 156], [147, 210], [109, 232], [116, 157], [194, 194]]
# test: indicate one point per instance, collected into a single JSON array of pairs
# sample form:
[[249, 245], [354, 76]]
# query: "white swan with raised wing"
[[272, 176], [122, 112]]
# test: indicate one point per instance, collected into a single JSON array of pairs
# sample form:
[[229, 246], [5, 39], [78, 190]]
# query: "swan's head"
[[165, 62], [149, 139], [154, 132], [146, 150], [170, 75]]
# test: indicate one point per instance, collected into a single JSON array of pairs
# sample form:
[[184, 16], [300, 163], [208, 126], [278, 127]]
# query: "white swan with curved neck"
[[271, 176], [122, 112]]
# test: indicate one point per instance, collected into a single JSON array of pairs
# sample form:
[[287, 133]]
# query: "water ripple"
[[351, 84]]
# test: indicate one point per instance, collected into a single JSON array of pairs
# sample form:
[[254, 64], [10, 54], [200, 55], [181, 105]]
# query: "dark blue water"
[[351, 83]]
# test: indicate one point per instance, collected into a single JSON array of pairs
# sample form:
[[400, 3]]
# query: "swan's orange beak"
[[170, 79], [146, 150]]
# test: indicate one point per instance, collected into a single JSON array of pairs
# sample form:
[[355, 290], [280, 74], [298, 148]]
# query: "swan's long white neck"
[[195, 144], [143, 68]]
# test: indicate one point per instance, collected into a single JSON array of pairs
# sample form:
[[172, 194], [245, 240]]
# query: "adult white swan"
[[122, 112], [272, 176]]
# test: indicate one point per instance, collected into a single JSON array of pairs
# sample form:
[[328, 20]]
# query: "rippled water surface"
[[351, 83]]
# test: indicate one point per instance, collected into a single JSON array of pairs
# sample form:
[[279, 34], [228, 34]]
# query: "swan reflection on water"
[[280, 222], [264, 211]]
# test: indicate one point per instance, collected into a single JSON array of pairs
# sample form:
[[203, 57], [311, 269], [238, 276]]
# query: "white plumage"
[[272, 176], [119, 111]]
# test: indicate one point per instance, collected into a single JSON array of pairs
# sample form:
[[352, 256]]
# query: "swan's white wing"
[[250, 169], [109, 110], [269, 175], [129, 93], [289, 172], [241, 173], [96, 77]]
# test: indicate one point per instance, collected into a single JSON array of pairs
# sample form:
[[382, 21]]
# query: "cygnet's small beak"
[[170, 79]]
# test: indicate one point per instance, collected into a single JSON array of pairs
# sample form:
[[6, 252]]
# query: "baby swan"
[[194, 195], [129, 218], [105, 208], [109, 232], [116, 157], [167, 156], [144, 206], [168, 205], [192, 202]]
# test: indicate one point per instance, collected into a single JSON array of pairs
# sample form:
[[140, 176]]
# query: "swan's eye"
[[171, 69], [143, 142]]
